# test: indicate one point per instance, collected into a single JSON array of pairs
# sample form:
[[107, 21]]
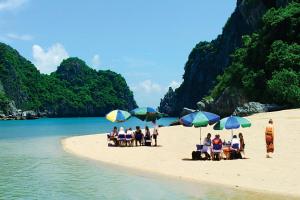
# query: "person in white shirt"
[[235, 148], [129, 137], [235, 143], [121, 136]]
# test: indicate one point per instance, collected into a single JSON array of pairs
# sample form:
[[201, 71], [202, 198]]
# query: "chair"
[[129, 139], [121, 138], [216, 150], [199, 147], [235, 146]]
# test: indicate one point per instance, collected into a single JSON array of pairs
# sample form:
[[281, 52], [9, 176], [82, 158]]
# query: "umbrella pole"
[[231, 133], [200, 135]]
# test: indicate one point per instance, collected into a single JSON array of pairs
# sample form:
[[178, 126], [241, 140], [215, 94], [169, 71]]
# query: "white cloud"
[[96, 61], [173, 84], [19, 37], [11, 4], [147, 86], [48, 60]]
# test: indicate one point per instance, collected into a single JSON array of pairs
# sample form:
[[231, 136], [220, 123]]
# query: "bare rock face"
[[227, 102]]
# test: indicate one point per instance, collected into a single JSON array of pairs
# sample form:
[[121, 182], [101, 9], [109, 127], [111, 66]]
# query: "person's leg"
[[213, 156], [242, 154], [267, 146]]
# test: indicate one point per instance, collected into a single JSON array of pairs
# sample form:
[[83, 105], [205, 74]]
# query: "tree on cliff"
[[267, 67]]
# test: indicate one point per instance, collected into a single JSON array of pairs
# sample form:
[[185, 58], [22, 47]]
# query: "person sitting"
[[147, 136], [138, 136], [242, 145], [112, 136], [121, 136], [207, 147], [235, 148], [217, 148], [129, 137]]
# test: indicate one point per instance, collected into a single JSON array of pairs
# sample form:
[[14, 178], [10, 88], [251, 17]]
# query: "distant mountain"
[[209, 59], [74, 89]]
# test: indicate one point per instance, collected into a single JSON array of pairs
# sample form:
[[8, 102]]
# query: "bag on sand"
[[196, 155]]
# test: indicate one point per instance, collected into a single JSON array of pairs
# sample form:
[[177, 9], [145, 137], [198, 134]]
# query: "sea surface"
[[33, 165]]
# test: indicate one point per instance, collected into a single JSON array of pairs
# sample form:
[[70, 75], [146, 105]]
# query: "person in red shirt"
[[217, 147]]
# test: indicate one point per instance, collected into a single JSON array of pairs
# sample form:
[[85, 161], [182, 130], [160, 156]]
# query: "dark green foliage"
[[267, 67], [167, 104], [285, 87], [73, 90], [4, 101]]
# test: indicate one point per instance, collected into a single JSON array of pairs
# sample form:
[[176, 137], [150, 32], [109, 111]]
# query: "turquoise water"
[[33, 165]]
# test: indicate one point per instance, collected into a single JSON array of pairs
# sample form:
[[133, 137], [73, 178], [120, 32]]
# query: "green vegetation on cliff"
[[74, 89], [267, 67], [208, 60]]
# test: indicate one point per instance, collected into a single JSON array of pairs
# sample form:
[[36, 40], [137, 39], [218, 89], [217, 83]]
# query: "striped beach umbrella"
[[199, 119], [232, 122], [118, 116], [146, 114]]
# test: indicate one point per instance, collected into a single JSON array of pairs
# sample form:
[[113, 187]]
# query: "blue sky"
[[148, 42]]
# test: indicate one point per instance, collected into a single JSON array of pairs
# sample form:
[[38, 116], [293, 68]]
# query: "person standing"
[[155, 132], [242, 147], [147, 136], [269, 135], [138, 136]]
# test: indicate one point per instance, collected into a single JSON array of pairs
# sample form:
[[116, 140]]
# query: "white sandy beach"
[[279, 174]]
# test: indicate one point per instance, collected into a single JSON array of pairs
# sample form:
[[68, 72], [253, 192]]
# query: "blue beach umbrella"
[[118, 116], [232, 122], [199, 119]]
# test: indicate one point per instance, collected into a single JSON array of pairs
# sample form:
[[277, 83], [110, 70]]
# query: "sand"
[[279, 174]]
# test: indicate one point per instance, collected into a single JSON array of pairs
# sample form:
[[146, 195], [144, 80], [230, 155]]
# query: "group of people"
[[129, 137], [216, 149]]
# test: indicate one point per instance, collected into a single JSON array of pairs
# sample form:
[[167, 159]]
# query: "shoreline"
[[191, 185], [163, 160]]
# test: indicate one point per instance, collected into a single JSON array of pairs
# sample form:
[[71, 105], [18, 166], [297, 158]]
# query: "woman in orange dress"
[[269, 134]]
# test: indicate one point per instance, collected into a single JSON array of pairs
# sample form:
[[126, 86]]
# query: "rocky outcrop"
[[255, 107], [209, 59], [167, 104], [227, 102]]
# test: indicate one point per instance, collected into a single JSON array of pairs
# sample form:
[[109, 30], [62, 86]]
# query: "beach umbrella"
[[231, 123], [199, 119], [118, 116], [146, 114]]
